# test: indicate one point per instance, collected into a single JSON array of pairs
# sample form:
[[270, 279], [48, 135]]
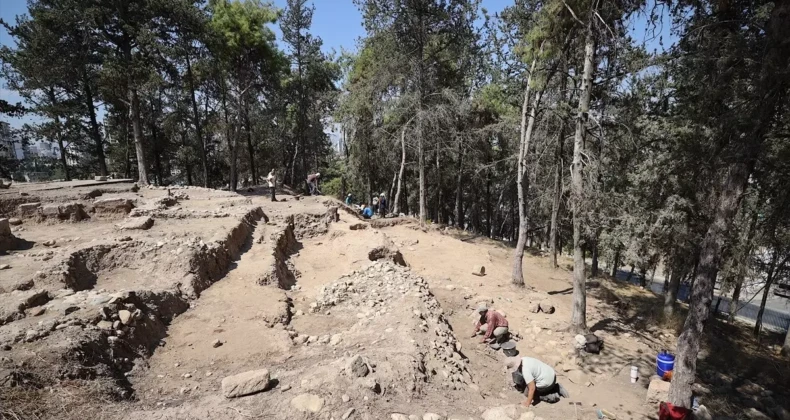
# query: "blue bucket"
[[665, 363]]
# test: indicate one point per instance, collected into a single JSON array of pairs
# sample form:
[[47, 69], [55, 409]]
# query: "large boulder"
[[386, 250], [657, 391], [245, 383], [137, 223]]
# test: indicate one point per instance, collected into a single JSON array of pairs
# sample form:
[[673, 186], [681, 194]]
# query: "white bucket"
[[634, 374]]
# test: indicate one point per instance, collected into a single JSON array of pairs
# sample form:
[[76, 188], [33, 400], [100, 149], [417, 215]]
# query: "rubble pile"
[[389, 298]]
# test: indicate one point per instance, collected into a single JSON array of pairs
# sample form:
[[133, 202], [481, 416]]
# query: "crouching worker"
[[491, 324], [538, 382]]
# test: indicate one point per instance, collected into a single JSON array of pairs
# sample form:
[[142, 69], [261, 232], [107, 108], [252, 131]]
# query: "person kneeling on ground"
[[538, 382], [491, 323], [367, 212]]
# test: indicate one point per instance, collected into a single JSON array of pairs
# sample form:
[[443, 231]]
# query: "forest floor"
[[146, 323]]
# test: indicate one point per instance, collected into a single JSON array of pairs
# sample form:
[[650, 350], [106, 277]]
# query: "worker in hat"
[[348, 199], [491, 323], [382, 205]]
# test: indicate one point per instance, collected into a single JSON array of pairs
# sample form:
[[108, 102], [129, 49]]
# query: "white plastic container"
[[634, 374]]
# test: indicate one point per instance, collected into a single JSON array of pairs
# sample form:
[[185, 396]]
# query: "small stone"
[[14, 221], [348, 413], [125, 316], [431, 416], [104, 325], [4, 266], [37, 311], [50, 242], [398, 416], [336, 339], [307, 403], [245, 383], [345, 398], [216, 343], [187, 375], [358, 367]]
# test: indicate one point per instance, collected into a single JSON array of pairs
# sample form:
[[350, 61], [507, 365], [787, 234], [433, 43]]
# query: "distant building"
[[10, 146]]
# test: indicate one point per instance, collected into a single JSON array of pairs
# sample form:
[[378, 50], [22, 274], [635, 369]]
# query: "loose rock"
[[308, 403], [245, 383], [657, 391]]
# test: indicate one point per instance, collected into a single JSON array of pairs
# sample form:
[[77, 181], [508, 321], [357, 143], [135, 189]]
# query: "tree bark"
[[231, 139], [579, 315], [196, 118], [137, 130], [439, 204], [459, 207], [701, 293], [396, 201], [771, 275], [594, 267], [62, 147], [95, 133], [671, 294], [616, 262], [250, 148], [522, 187]]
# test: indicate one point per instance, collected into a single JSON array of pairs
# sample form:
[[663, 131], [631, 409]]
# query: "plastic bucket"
[[665, 363]]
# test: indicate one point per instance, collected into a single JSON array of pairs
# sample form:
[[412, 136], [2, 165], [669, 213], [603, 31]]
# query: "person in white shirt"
[[272, 180], [538, 380]]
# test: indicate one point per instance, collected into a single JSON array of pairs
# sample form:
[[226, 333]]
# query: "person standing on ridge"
[[272, 180]]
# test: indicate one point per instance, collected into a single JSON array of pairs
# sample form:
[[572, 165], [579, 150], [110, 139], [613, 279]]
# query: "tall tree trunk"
[[128, 151], [594, 268], [558, 171], [439, 204], [616, 262], [137, 130], [250, 148], [231, 139], [522, 187], [671, 294], [489, 215], [196, 119], [769, 279], [396, 201], [459, 207], [63, 161], [157, 146], [95, 133], [743, 266], [701, 293], [187, 166], [579, 315]]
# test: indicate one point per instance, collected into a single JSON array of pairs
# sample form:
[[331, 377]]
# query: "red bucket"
[[667, 411]]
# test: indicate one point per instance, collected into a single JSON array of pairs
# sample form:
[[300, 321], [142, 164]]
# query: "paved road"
[[777, 309]]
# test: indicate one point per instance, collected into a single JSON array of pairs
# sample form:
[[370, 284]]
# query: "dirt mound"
[[393, 305]]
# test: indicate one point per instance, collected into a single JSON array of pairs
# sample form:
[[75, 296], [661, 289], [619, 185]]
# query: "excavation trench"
[[98, 327]]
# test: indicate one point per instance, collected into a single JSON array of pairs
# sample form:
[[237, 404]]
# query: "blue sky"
[[337, 22]]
